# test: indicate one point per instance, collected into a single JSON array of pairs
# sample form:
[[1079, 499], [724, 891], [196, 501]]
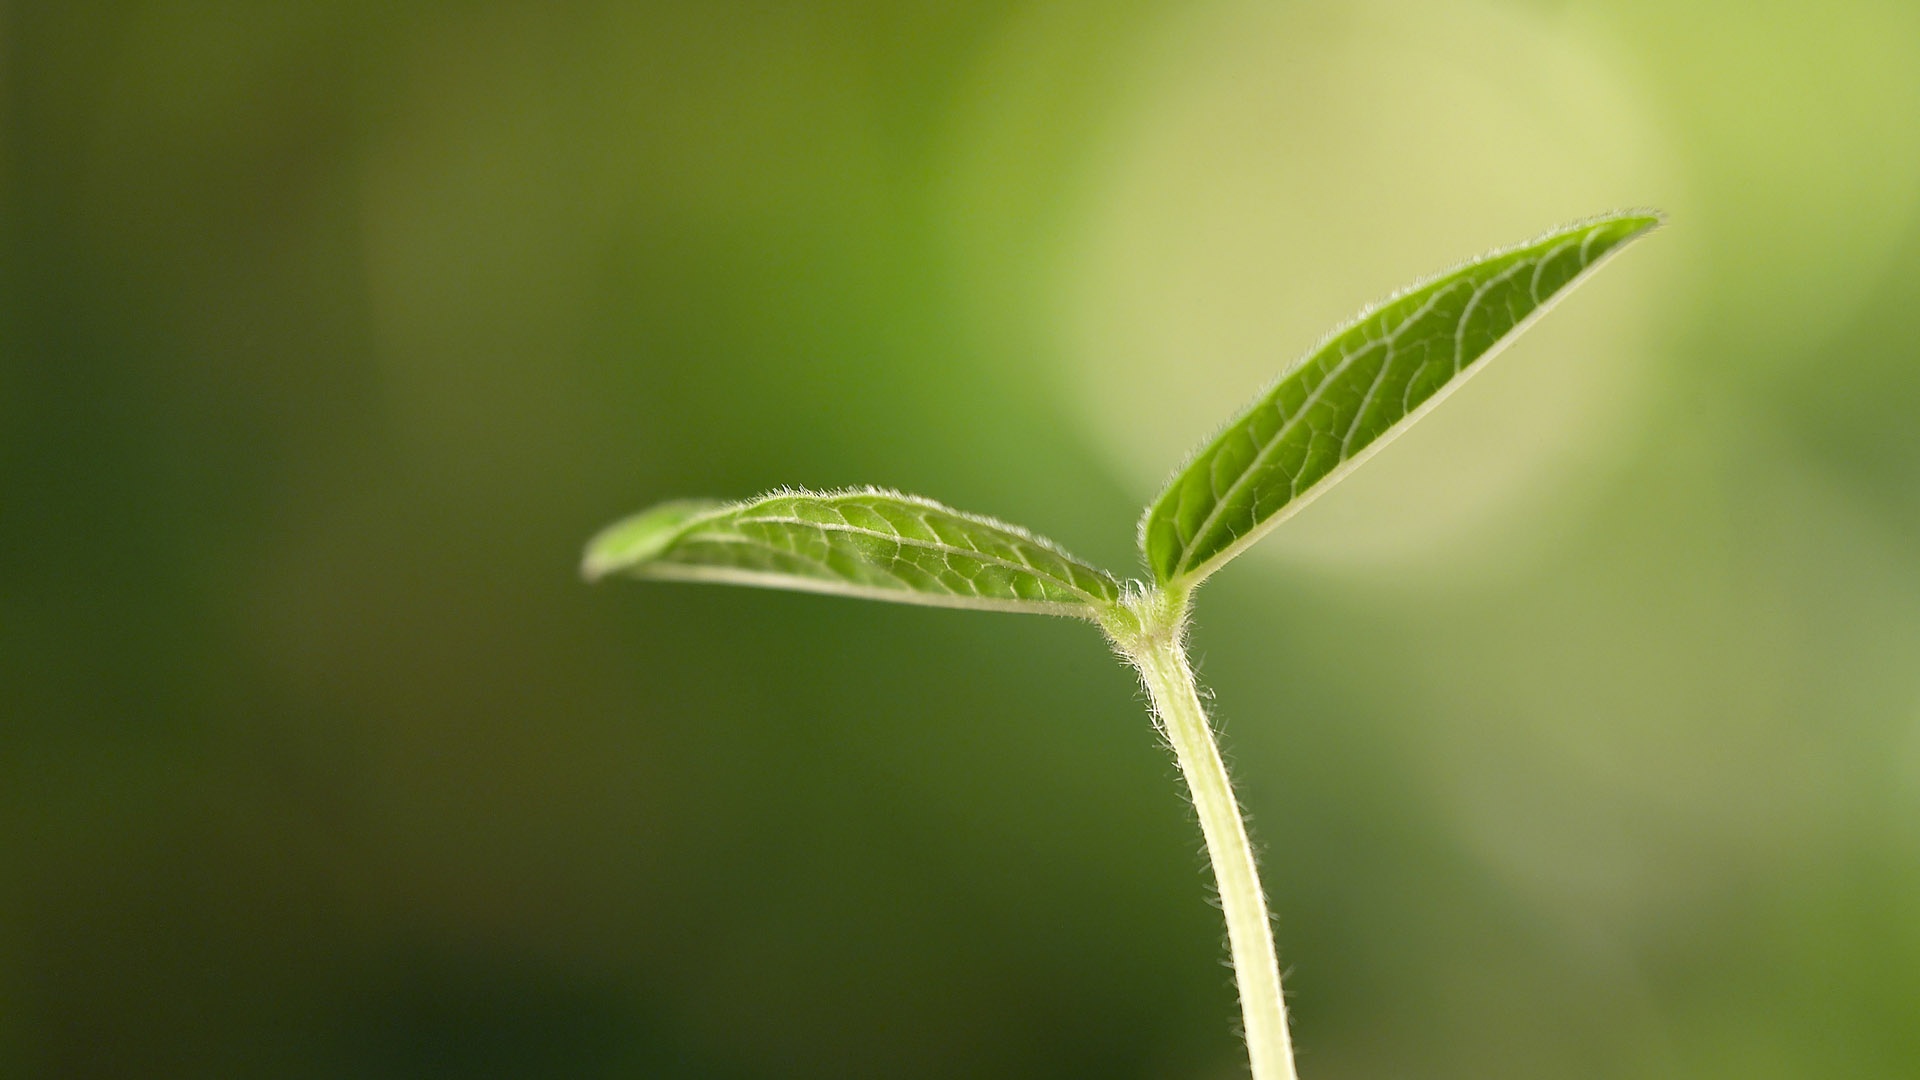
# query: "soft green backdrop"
[[1581, 729]]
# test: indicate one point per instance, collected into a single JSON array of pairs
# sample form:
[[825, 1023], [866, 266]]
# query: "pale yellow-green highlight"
[[1299, 162]]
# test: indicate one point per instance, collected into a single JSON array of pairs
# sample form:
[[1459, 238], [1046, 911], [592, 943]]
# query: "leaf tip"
[[1633, 222], [635, 540]]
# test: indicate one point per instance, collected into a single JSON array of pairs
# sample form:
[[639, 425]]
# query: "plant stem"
[[1155, 646]]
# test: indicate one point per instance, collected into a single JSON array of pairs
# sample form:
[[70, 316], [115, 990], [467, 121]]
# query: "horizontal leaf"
[[875, 544], [1357, 390]]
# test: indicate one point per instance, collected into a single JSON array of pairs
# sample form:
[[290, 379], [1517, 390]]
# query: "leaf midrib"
[[924, 545], [668, 571]]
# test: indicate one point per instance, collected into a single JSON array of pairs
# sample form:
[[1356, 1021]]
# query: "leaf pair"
[[1321, 418]]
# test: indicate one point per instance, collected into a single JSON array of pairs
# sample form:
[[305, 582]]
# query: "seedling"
[[1323, 417]]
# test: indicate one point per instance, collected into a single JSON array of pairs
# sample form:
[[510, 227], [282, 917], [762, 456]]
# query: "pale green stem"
[[1155, 647]]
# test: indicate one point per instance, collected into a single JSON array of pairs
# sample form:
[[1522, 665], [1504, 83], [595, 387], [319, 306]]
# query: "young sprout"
[[1320, 419]]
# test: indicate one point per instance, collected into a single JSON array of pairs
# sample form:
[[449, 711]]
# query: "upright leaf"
[[875, 544], [1361, 387]]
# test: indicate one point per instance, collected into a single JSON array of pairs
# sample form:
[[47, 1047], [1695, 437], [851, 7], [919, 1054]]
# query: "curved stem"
[[1157, 650]]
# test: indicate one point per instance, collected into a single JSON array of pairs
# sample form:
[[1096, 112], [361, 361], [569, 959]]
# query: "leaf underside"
[[867, 543], [1362, 386]]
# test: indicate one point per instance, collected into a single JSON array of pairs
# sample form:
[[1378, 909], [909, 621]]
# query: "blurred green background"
[[1581, 730]]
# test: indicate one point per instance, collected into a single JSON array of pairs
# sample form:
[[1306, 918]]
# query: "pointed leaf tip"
[[632, 541]]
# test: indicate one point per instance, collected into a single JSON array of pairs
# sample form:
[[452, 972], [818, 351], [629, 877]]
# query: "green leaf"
[[1359, 389], [879, 545]]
